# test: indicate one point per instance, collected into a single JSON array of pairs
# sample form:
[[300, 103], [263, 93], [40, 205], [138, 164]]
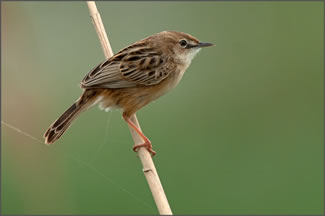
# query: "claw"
[[147, 145]]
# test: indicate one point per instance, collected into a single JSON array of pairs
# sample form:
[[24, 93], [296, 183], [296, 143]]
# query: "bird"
[[132, 78]]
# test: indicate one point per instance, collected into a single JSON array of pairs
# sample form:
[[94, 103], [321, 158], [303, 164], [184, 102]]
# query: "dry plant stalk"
[[149, 168]]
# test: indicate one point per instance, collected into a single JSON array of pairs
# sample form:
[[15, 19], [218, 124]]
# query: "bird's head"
[[182, 46]]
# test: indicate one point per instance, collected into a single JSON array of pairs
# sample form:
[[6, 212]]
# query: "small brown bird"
[[132, 78]]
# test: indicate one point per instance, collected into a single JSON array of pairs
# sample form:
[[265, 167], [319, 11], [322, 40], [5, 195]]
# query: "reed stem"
[[149, 168]]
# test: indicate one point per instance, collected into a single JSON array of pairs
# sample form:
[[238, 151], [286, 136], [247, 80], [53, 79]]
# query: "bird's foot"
[[147, 145]]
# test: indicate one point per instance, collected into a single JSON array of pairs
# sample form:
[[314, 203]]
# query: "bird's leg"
[[146, 144]]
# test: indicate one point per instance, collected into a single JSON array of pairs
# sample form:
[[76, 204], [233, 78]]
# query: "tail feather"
[[56, 130]]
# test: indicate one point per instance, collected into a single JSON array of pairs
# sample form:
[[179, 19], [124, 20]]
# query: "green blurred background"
[[241, 134]]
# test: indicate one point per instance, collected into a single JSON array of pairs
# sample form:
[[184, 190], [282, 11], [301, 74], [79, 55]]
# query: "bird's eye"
[[183, 43]]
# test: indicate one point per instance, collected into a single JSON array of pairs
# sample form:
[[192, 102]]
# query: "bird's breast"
[[176, 77], [155, 91]]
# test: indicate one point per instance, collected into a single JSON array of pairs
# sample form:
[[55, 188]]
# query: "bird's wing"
[[128, 69], [106, 75]]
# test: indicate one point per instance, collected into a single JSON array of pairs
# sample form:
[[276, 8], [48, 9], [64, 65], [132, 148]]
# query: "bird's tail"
[[55, 131]]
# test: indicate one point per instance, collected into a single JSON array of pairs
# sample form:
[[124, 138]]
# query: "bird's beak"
[[203, 44]]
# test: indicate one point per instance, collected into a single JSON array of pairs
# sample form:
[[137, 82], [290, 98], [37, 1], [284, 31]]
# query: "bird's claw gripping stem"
[[147, 145]]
